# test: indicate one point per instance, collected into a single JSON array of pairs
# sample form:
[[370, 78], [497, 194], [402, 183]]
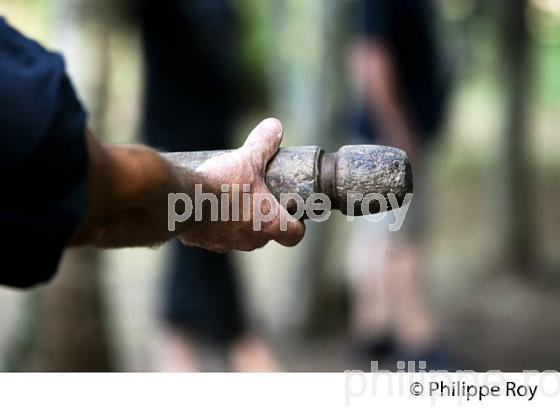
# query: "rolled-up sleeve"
[[43, 160]]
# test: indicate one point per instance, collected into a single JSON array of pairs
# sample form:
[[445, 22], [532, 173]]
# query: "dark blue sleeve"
[[43, 160]]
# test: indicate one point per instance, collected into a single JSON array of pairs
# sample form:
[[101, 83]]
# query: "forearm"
[[127, 196], [129, 187], [383, 97]]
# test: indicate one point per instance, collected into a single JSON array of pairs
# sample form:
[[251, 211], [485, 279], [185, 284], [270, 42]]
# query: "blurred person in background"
[[398, 76], [191, 102]]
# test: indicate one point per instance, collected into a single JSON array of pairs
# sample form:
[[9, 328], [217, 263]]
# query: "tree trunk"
[[519, 234]]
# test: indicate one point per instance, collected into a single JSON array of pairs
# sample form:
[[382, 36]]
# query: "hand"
[[246, 165]]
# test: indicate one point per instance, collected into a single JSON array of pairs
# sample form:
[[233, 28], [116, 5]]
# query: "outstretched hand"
[[244, 167]]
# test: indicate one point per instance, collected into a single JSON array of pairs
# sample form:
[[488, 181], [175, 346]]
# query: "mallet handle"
[[353, 169]]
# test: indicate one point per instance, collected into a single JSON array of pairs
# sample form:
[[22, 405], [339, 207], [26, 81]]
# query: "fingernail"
[[274, 125]]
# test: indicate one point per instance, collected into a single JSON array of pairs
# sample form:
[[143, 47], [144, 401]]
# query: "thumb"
[[265, 139]]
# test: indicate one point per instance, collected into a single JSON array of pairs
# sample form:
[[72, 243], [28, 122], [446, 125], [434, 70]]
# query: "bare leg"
[[177, 352], [251, 354], [369, 305], [411, 318], [387, 294]]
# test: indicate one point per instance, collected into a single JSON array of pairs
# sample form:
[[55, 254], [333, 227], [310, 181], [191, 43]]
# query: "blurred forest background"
[[493, 257]]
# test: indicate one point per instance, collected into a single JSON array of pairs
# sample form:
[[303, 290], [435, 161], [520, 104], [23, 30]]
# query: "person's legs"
[[404, 269], [191, 107], [177, 352], [388, 295], [250, 353], [389, 311], [201, 302], [202, 305], [370, 319], [247, 353], [412, 322]]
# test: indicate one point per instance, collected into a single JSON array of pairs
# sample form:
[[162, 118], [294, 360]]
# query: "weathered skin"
[[361, 169]]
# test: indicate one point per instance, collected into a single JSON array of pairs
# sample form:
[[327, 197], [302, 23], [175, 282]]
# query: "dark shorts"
[[188, 106], [201, 295]]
